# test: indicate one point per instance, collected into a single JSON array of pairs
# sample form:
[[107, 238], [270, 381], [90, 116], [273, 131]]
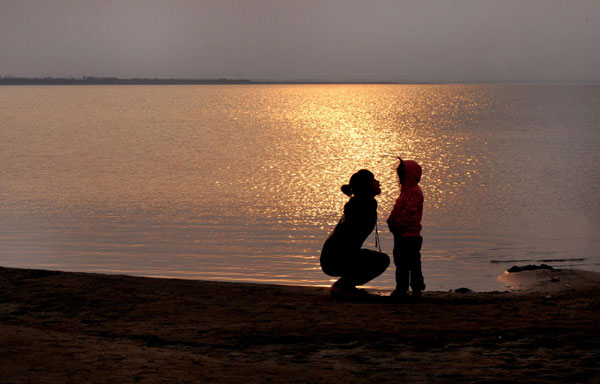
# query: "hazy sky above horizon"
[[336, 40]]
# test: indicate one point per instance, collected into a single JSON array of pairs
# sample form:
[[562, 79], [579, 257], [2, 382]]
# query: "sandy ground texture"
[[60, 327]]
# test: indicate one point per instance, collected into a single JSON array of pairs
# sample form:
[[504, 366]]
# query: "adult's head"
[[362, 183]]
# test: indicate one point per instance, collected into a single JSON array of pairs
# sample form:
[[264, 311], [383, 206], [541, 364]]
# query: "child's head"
[[362, 183], [409, 172]]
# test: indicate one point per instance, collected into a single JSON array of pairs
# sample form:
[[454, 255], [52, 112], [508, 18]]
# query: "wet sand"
[[76, 327]]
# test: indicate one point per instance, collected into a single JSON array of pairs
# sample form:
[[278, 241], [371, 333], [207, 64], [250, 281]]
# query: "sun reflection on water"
[[243, 182], [316, 143]]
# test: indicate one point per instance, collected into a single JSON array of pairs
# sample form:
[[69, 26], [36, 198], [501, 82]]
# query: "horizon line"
[[112, 80]]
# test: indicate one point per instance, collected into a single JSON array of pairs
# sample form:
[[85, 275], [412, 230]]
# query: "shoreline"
[[85, 327], [94, 80]]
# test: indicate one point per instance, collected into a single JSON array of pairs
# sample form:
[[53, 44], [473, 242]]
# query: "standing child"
[[405, 223]]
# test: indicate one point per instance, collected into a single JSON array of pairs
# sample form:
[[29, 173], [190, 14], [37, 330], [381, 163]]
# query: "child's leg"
[[402, 264], [416, 274], [417, 282]]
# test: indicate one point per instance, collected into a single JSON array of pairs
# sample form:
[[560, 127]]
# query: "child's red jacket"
[[405, 219]]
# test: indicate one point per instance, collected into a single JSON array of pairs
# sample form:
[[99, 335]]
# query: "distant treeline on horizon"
[[91, 80], [9, 80]]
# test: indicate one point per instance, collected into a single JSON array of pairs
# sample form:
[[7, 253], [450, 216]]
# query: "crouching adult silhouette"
[[342, 254]]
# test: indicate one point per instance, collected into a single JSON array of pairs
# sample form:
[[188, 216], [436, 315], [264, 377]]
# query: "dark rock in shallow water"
[[530, 267], [463, 290]]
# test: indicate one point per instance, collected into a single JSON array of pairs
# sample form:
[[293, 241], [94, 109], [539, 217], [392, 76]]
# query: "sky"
[[304, 40]]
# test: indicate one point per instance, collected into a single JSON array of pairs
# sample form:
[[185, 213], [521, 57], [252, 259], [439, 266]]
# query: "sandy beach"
[[58, 327]]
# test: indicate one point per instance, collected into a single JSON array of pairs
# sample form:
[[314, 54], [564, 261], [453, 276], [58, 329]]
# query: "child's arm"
[[391, 221]]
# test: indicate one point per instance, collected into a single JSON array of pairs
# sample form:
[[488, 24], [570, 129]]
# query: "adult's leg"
[[331, 259], [364, 267]]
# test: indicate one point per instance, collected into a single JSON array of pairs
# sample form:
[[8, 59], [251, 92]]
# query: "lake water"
[[241, 182]]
